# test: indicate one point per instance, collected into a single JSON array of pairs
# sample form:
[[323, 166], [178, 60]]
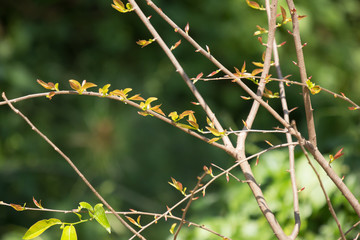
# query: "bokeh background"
[[130, 158]]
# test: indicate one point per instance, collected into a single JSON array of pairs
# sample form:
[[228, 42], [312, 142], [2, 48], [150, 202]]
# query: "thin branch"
[[291, 148], [128, 102], [208, 55], [68, 160], [350, 229], [191, 198], [331, 208], [181, 71], [236, 165], [303, 76]]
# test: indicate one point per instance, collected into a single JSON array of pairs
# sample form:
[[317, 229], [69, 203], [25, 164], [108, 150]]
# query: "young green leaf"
[[38, 204], [100, 217], [49, 85], [175, 45], [172, 229], [119, 6], [18, 207], [144, 43], [104, 90], [86, 206], [69, 233], [39, 227]]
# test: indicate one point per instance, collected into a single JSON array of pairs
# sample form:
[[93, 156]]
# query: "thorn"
[[289, 32], [304, 44], [294, 63]]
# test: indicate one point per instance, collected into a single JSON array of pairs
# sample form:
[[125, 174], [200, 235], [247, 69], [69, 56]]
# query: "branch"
[[68, 160], [181, 71], [303, 76], [128, 102], [331, 208], [291, 148]]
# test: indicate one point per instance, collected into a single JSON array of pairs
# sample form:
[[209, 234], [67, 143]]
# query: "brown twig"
[[303, 76], [68, 160], [331, 208], [181, 71], [191, 198], [291, 148]]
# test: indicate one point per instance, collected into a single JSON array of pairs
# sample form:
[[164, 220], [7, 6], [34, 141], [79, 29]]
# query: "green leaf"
[[101, 218], [39, 227], [69, 233], [86, 206], [172, 228]]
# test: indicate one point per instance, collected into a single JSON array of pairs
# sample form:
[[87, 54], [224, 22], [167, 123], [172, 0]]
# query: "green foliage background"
[[130, 158]]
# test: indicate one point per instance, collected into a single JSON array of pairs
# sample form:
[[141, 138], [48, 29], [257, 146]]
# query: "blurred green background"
[[130, 158]]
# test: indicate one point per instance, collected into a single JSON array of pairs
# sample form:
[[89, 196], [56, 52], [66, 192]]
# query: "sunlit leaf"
[[49, 85], [283, 14], [187, 28], [175, 45], [256, 71], [208, 171], [69, 233], [214, 73], [198, 77], [18, 207], [209, 122], [38, 204], [194, 124], [100, 217], [172, 229], [133, 221], [336, 156], [302, 189], [39, 227], [269, 143], [214, 131], [75, 85], [104, 90], [254, 5], [85, 205], [186, 113], [157, 109], [214, 140], [119, 6], [144, 43], [270, 94], [136, 98], [245, 98], [174, 116], [50, 95], [258, 64]]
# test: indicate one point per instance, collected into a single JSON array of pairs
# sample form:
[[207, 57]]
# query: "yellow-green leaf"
[[39, 227], [100, 217], [214, 131], [75, 85], [18, 207], [69, 233], [172, 229], [174, 116], [136, 98]]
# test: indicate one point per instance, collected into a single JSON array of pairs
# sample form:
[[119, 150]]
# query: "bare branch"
[[68, 160]]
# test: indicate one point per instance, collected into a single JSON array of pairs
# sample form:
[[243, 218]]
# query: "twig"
[[128, 102], [211, 58], [331, 209], [165, 214], [181, 71], [68, 160], [291, 148], [303, 76], [191, 198], [350, 229]]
